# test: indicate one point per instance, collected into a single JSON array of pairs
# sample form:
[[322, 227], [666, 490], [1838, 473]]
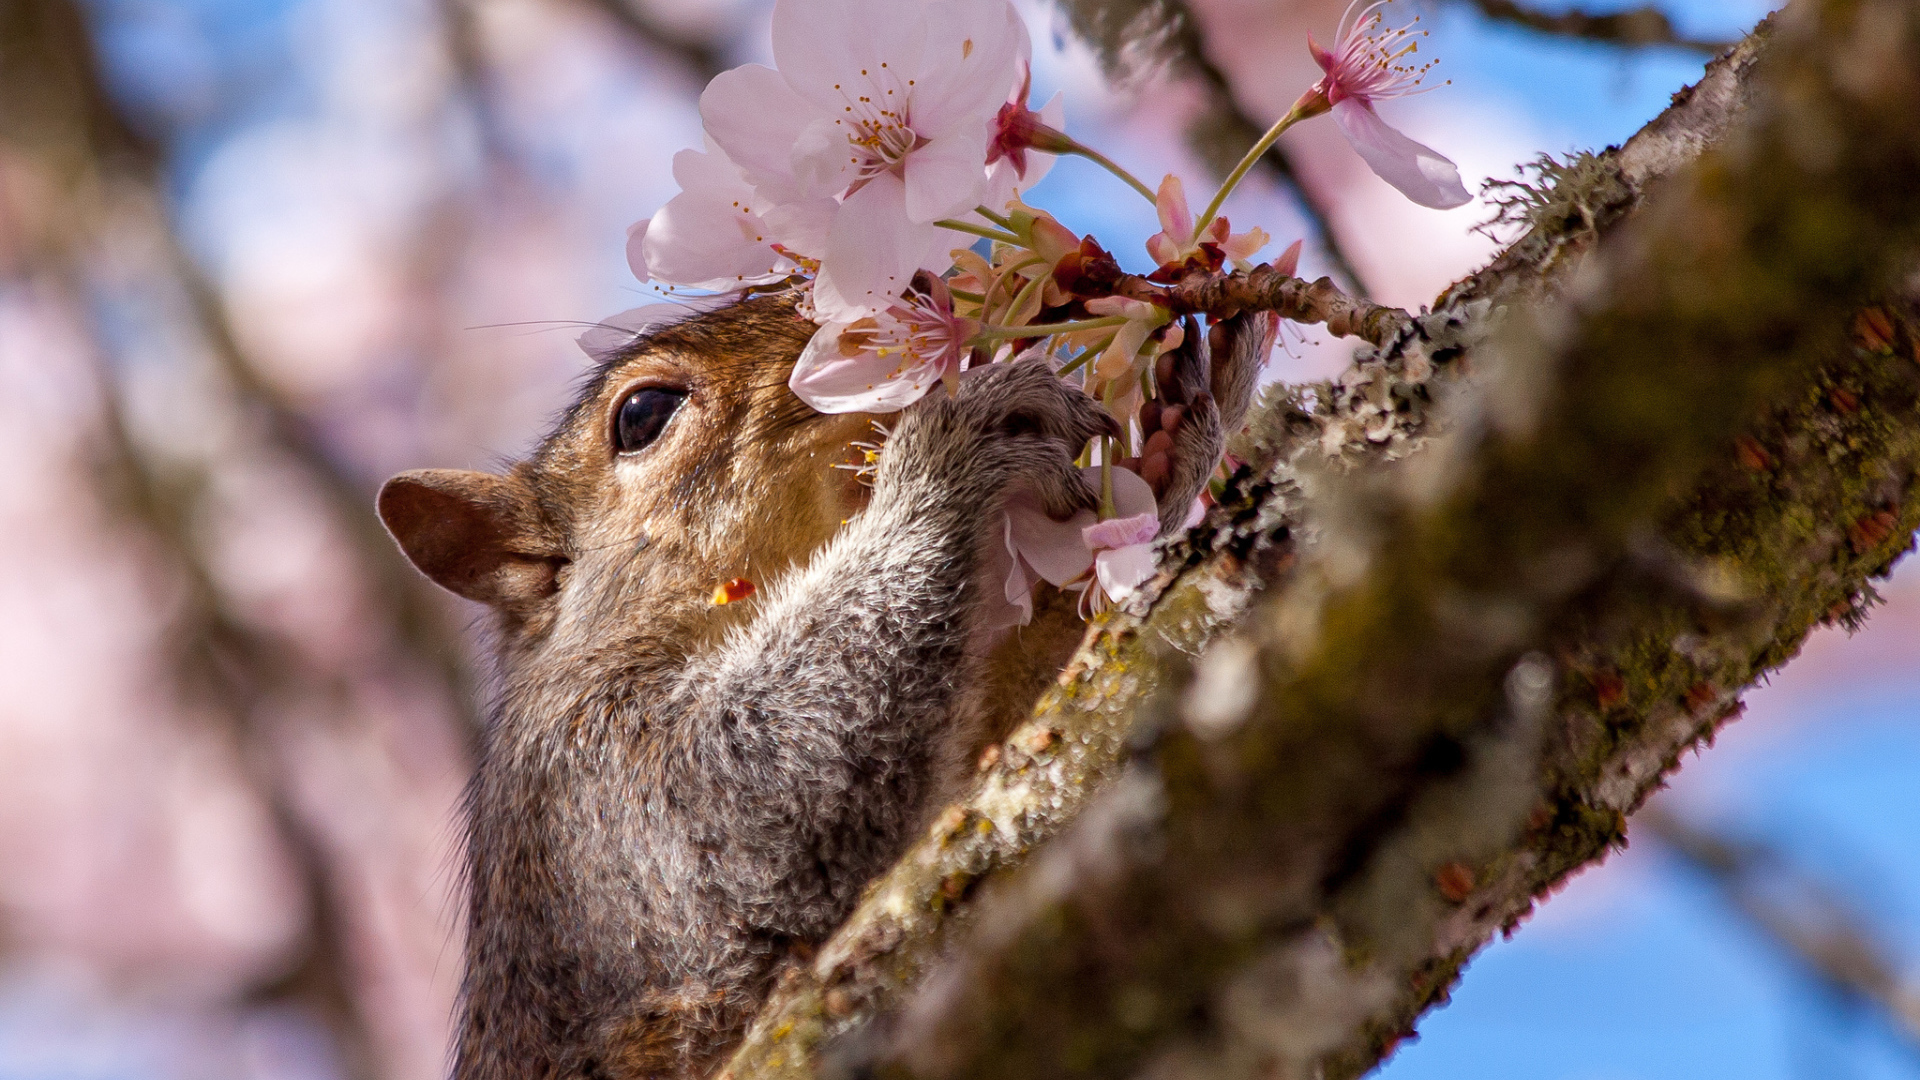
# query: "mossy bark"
[[1435, 672]]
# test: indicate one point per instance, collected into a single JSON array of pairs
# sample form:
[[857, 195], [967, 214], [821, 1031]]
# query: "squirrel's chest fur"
[[633, 915]]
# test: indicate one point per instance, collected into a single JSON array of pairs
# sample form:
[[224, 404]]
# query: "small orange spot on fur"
[[734, 589]]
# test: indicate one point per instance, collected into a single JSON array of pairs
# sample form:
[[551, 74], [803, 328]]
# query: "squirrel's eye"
[[643, 416]]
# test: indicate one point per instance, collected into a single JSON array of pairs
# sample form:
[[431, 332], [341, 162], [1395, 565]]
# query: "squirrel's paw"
[[1012, 423], [1205, 388]]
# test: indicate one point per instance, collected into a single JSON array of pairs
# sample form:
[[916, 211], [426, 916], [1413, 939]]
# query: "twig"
[[1635, 27], [1796, 912], [703, 58], [1261, 289]]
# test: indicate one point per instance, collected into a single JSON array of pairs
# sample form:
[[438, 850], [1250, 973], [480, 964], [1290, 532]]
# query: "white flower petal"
[[1054, 549], [754, 116], [872, 251], [833, 383], [803, 226], [820, 43], [1417, 171], [708, 237], [1013, 606], [948, 175], [1123, 570], [616, 332], [636, 253], [1132, 496], [973, 53], [821, 164]]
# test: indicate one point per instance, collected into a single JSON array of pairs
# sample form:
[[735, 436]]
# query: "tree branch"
[[1795, 912], [1469, 669], [1635, 27]]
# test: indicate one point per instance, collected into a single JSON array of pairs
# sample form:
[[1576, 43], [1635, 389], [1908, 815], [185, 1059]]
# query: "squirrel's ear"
[[473, 533]]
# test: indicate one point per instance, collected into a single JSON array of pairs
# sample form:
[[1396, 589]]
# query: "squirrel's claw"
[[1205, 387]]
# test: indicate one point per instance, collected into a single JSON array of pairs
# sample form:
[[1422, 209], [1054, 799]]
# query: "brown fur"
[[672, 794]]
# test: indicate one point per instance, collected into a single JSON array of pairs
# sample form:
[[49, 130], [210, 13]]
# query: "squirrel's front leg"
[[825, 720]]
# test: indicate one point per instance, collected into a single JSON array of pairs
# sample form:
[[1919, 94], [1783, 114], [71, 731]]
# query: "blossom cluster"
[[879, 169]]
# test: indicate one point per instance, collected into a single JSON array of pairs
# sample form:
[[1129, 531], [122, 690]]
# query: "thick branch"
[[1460, 700]]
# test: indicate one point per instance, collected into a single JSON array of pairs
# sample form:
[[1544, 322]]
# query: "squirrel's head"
[[685, 463]]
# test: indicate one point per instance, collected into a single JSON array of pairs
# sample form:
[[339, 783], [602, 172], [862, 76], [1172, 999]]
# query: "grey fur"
[[653, 831], [1213, 380]]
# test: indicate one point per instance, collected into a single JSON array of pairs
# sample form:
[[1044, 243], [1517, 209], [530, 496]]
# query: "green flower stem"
[[997, 333], [1020, 298], [979, 230], [1004, 223], [1005, 273], [1239, 173], [1108, 164], [1106, 482]]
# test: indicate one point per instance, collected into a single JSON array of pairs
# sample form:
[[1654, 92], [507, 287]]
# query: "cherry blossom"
[[1122, 552], [889, 360], [1036, 548], [1118, 360], [1179, 244], [709, 236], [873, 127], [1364, 67]]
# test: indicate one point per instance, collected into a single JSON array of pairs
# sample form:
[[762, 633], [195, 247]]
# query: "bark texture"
[[1445, 633]]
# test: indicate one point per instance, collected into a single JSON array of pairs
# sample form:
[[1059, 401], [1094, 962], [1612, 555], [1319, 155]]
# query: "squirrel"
[[673, 794]]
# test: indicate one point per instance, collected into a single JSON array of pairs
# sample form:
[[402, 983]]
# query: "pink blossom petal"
[[1054, 549], [636, 251], [708, 236], [946, 177], [872, 251], [973, 54], [1289, 261], [1176, 218], [1012, 604], [1119, 532], [754, 116], [803, 226], [820, 43], [1132, 496], [820, 164], [616, 332], [832, 382], [1123, 570], [1418, 172]]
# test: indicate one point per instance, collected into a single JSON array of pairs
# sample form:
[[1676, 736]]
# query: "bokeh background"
[[256, 255]]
